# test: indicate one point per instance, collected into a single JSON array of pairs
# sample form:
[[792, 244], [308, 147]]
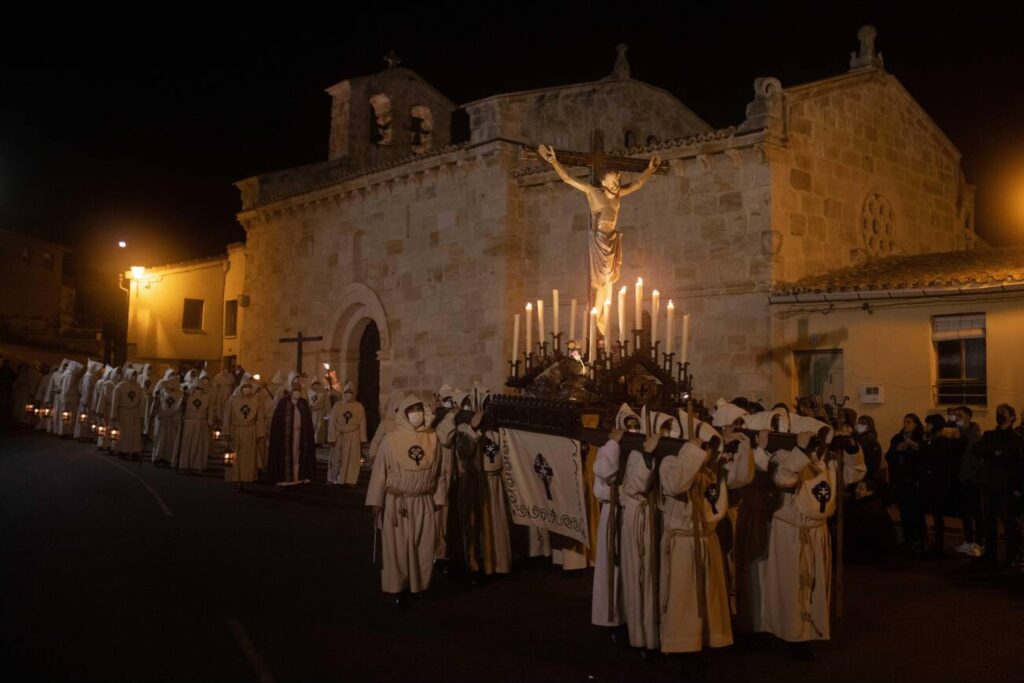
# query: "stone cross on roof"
[[621, 68], [866, 57]]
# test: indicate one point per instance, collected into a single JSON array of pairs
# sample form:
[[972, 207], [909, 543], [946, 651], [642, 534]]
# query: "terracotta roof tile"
[[982, 266]]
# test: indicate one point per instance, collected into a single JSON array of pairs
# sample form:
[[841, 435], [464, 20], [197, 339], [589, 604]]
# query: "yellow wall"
[[155, 313], [234, 287], [892, 346]]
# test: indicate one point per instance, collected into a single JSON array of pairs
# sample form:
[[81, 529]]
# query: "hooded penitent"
[[244, 427], [776, 420], [726, 413], [87, 399], [194, 449], [291, 457], [347, 434], [167, 407], [628, 420], [800, 423], [669, 422], [127, 407]]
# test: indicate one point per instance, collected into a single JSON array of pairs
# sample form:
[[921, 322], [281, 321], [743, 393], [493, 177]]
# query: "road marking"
[[152, 491], [259, 667]]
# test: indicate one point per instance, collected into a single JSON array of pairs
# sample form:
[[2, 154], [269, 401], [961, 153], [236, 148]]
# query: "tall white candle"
[[686, 339], [540, 322], [554, 311], [639, 316], [622, 314], [655, 312], [529, 328], [572, 321], [584, 321], [607, 324], [670, 328], [515, 339], [592, 346]]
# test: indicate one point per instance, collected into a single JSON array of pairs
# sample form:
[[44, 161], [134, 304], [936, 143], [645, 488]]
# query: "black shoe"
[[802, 651], [619, 636], [402, 601]]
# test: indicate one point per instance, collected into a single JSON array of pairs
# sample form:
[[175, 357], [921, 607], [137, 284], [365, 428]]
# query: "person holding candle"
[[244, 427], [126, 408], [194, 450], [347, 435]]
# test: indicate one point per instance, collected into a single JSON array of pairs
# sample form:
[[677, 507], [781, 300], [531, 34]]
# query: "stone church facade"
[[437, 245]]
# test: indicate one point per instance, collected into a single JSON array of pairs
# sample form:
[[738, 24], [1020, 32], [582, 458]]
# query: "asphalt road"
[[112, 571]]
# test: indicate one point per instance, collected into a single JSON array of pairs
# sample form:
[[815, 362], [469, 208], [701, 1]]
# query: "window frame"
[[234, 332], [961, 390], [202, 316]]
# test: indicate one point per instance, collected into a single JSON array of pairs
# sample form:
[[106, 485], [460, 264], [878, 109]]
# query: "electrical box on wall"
[[872, 393]]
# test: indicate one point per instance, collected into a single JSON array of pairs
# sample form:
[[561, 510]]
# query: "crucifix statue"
[[604, 195], [298, 339]]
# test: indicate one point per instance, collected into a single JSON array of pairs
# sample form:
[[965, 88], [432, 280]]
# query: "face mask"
[[961, 424], [416, 419], [861, 429], [447, 403], [348, 396], [632, 426]]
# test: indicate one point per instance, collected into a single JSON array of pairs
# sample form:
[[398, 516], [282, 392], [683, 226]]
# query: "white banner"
[[543, 478]]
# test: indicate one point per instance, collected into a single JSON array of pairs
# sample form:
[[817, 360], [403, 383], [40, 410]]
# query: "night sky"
[[137, 132]]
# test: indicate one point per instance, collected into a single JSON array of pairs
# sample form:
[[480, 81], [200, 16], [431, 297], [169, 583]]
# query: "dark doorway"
[[369, 376]]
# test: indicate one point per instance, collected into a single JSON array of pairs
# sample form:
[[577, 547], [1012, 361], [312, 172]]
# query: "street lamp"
[[122, 244]]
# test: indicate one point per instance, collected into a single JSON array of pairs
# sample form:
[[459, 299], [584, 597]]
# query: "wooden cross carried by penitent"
[[298, 339], [597, 160]]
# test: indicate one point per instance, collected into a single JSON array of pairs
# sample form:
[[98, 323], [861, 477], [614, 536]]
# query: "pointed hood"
[[402, 420], [661, 419], [246, 381], [94, 368], [190, 377], [458, 396], [799, 423], [278, 379], [75, 368], [627, 415], [726, 413], [776, 420], [705, 432], [117, 375]]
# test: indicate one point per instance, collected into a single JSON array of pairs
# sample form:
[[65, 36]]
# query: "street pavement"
[[116, 571]]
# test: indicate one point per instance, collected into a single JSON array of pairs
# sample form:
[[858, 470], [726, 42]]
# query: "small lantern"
[[114, 433], [101, 430], [216, 434], [92, 428], [29, 408], [229, 457], [83, 418], [37, 412], [65, 416], [46, 412]]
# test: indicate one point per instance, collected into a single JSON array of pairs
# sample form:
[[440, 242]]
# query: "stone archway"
[[356, 309]]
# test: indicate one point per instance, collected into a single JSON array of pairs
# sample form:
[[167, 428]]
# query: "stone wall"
[[863, 172], [564, 117]]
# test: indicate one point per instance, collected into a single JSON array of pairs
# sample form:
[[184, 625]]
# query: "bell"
[[229, 457]]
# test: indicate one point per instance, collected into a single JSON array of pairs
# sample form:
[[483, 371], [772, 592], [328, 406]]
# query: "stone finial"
[[866, 56], [621, 68], [766, 109], [392, 59]]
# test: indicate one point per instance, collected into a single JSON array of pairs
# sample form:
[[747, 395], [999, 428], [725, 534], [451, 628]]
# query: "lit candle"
[[515, 338], [540, 321], [639, 317], [655, 312], [592, 347], [554, 311], [686, 339], [670, 327], [529, 328], [622, 314], [572, 321], [607, 323]]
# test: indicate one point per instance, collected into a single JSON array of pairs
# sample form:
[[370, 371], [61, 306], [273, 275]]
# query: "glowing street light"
[[138, 272], [122, 244]]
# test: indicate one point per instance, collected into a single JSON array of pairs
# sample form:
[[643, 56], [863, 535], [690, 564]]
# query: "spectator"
[[933, 474], [901, 458], [867, 438], [968, 494], [999, 452]]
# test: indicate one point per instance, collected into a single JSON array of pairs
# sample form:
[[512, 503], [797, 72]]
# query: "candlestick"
[[515, 338], [639, 315], [592, 347], [529, 329], [572, 321], [685, 355], [622, 314], [554, 311], [540, 321], [655, 311], [670, 328]]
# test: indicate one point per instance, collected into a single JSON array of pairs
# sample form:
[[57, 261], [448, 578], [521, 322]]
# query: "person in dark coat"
[[1000, 453], [934, 476], [901, 458], [292, 445]]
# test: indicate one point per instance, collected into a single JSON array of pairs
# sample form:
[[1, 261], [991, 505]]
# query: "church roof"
[[959, 271]]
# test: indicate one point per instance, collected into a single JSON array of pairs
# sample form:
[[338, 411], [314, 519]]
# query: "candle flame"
[[623, 290], [607, 302], [670, 304], [529, 307], [639, 281], [593, 311], [656, 293]]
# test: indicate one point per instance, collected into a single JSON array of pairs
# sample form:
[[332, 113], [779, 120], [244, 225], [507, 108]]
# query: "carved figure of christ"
[[604, 200]]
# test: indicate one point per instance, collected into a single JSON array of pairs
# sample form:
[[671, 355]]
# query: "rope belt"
[[402, 509], [807, 579], [672, 535]]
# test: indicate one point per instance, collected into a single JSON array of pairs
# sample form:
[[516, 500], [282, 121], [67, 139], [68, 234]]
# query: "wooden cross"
[[299, 339], [597, 160]]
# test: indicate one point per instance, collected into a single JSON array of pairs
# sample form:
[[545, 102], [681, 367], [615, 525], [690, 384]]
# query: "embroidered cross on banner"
[[822, 492], [544, 471]]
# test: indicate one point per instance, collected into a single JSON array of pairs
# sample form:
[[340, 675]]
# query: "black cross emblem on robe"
[[491, 450], [131, 395], [245, 410], [348, 417], [544, 471], [170, 401], [711, 494], [197, 403], [822, 492], [416, 453]]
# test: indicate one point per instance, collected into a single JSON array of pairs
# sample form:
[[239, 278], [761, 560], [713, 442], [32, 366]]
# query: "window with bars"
[[960, 373], [231, 318]]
